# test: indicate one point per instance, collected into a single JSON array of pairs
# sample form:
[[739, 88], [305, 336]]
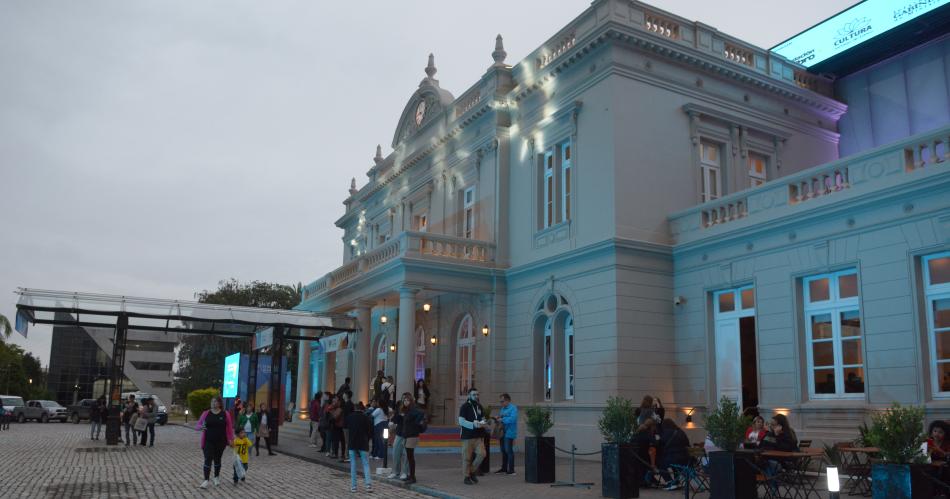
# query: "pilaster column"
[[406, 345], [361, 371], [303, 378]]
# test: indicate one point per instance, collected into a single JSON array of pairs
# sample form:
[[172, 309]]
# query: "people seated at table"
[[755, 433], [781, 436], [672, 449], [938, 446]]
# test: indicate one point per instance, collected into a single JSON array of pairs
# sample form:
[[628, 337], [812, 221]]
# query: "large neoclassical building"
[[647, 205]]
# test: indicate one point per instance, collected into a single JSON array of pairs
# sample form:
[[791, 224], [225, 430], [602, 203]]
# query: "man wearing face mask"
[[472, 421]]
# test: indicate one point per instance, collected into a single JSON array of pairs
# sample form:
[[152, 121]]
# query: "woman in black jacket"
[[781, 436], [412, 425]]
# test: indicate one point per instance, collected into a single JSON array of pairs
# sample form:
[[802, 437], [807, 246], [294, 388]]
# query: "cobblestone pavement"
[[57, 460]]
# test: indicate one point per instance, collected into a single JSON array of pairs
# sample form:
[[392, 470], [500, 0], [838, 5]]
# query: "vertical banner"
[[245, 378], [263, 379]]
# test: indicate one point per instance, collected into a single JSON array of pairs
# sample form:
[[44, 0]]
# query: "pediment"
[[429, 100]]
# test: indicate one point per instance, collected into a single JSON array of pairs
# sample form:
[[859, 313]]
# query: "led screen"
[[851, 28], [232, 367]]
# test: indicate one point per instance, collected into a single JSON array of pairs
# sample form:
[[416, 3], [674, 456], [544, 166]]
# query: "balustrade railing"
[[724, 212]]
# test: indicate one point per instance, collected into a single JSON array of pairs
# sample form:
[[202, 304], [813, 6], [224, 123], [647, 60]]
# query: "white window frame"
[[567, 182], [420, 358], [569, 356], [382, 353], [468, 213], [835, 307], [933, 293], [548, 189], [465, 347], [707, 168], [422, 222], [548, 350], [755, 178]]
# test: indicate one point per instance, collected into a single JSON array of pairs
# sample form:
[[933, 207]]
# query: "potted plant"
[[898, 434], [619, 470], [538, 449], [729, 475]]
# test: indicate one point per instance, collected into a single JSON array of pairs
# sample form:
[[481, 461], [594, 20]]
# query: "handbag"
[[141, 424], [239, 471], [498, 430]]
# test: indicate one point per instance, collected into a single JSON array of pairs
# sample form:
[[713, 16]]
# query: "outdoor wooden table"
[[858, 468], [798, 484]]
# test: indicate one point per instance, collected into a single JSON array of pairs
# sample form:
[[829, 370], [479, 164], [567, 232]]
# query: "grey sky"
[[153, 148]]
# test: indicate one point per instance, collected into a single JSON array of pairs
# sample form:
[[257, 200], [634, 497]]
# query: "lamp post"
[[186, 415], [834, 486]]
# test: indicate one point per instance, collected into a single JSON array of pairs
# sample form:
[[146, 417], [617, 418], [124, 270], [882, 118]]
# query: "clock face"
[[420, 112]]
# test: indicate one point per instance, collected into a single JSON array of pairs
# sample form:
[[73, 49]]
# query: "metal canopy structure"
[[122, 313]]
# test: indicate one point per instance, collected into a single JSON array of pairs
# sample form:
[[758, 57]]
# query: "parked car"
[[10, 404], [40, 410], [162, 416], [80, 411]]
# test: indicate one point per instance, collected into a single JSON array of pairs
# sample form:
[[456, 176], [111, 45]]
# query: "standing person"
[[249, 423], [359, 427], [413, 424], [472, 423], [95, 421], [263, 430], [242, 447], [150, 413], [238, 408], [387, 391], [422, 396], [316, 411], [325, 423], [348, 409], [508, 416], [217, 432], [335, 426], [131, 407], [378, 384], [396, 422], [345, 387], [380, 420]]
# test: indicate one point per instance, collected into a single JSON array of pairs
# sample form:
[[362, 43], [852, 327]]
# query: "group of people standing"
[[138, 420]]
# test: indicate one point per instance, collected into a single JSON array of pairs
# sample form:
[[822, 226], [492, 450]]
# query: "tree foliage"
[[6, 329], [617, 423], [17, 368], [201, 357], [898, 432], [200, 399], [538, 420], [726, 425]]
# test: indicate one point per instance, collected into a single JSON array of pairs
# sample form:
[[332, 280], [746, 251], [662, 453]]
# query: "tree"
[[21, 374], [5, 328], [201, 357]]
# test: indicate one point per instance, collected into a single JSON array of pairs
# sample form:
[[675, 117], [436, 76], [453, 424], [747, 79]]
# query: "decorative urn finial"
[[379, 154], [430, 68], [353, 186], [499, 54]]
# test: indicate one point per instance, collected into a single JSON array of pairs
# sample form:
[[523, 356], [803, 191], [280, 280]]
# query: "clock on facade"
[[420, 112]]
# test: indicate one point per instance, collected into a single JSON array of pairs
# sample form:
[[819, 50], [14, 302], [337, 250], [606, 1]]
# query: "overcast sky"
[[153, 148]]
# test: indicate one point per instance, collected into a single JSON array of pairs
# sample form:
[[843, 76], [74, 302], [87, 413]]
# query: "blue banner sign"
[[232, 368], [851, 28]]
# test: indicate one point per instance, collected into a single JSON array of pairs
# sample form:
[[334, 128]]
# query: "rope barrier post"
[[573, 482]]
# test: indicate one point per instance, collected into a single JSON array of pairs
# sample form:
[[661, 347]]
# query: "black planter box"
[[901, 481], [539, 459], [485, 467], [620, 471], [730, 476]]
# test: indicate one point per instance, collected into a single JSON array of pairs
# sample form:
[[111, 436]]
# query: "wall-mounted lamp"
[[392, 347], [426, 307], [433, 340], [689, 416], [485, 330]]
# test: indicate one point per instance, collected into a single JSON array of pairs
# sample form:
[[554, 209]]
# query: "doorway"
[[736, 361]]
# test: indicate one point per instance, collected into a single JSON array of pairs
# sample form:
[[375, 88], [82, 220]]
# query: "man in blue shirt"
[[508, 416]]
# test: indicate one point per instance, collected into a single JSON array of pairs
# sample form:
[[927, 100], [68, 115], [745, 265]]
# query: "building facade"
[[645, 205]]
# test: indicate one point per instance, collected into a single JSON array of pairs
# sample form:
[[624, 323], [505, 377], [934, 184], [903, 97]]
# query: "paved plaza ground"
[[57, 460]]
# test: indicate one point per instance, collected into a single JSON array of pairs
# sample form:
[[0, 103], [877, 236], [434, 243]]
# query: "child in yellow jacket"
[[242, 448]]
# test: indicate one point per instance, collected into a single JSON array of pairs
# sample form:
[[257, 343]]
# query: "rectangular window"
[[758, 165], [710, 168], [421, 222], [468, 209], [548, 202], [936, 272], [566, 180], [833, 328]]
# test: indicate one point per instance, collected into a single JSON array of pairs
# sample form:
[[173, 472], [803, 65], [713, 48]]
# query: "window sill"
[[553, 234]]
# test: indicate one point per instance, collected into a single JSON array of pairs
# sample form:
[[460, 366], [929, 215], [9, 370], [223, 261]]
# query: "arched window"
[[569, 352], [548, 359], [465, 359], [381, 354], [420, 353]]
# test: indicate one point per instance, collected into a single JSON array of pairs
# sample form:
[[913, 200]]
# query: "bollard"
[[573, 482]]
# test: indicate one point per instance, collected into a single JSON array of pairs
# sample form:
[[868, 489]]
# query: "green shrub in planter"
[[538, 420], [898, 434], [619, 469], [730, 475], [726, 425]]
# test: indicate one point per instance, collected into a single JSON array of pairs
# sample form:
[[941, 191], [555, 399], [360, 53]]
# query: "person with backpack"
[[380, 420], [387, 391]]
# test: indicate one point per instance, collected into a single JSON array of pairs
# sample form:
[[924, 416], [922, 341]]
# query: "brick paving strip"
[[58, 460]]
